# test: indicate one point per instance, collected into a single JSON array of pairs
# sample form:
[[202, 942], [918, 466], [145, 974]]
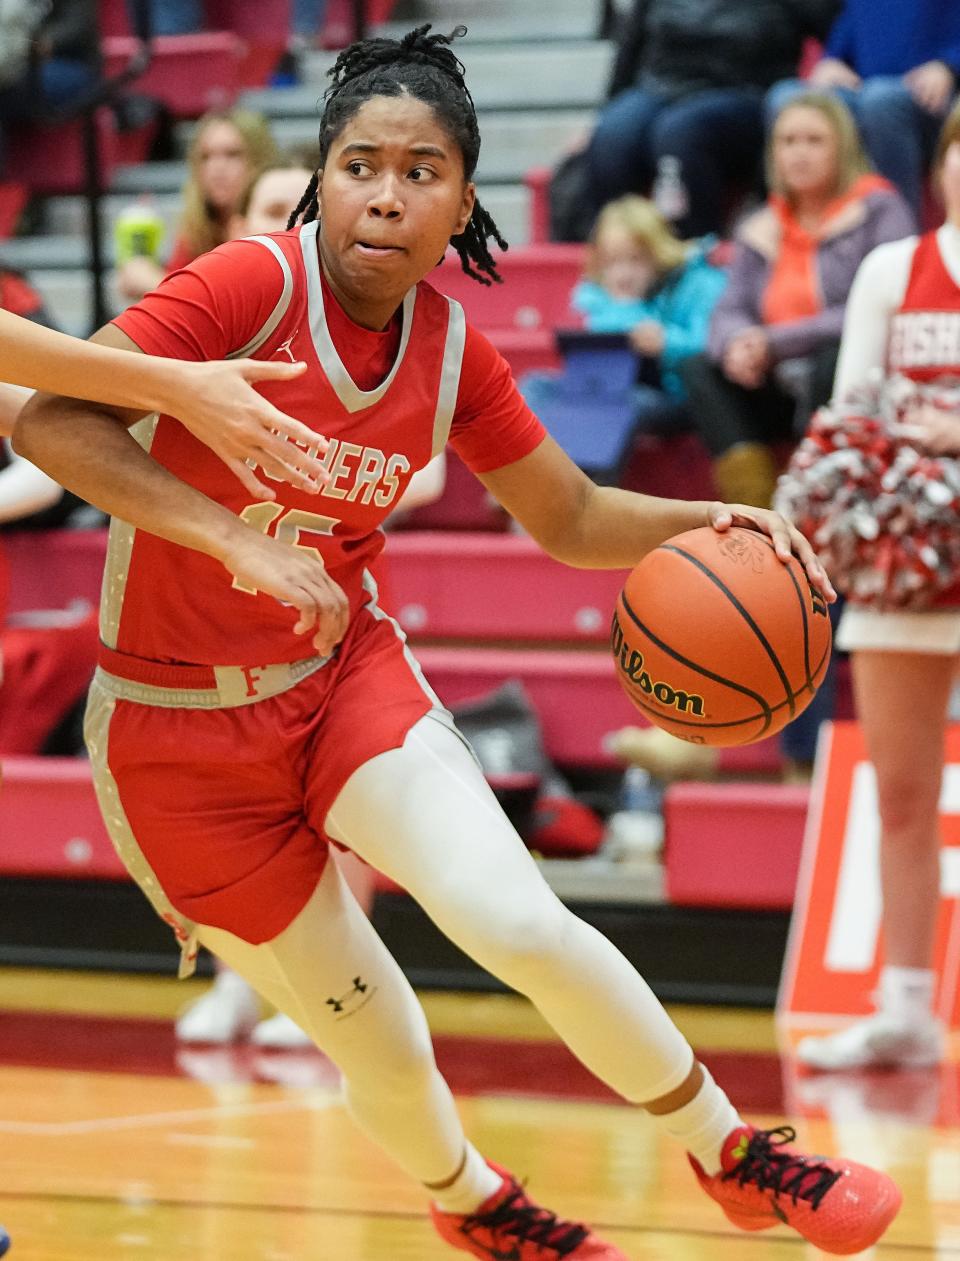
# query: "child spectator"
[[643, 282]]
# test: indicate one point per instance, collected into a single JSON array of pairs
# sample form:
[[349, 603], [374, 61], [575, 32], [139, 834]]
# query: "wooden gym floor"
[[114, 1143]]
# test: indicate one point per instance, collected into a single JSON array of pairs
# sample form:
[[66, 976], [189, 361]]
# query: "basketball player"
[[223, 779], [214, 400], [229, 1010], [903, 316]]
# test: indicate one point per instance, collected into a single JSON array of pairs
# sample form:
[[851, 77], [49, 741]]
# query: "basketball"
[[716, 640]]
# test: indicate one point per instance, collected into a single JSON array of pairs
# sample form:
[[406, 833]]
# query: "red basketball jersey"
[[925, 332], [263, 297]]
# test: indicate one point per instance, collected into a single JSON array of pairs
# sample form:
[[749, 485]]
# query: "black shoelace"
[[516, 1216], [786, 1173]]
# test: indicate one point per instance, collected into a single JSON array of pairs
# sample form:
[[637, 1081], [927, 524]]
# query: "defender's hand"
[[218, 404]]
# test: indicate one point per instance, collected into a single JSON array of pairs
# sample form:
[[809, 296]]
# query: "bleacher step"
[[528, 76], [598, 879], [67, 294], [505, 11], [513, 141], [150, 177], [531, 23], [68, 215], [58, 252]]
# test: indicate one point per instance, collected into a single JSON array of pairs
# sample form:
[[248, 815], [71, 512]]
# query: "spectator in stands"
[[266, 205], [905, 661], [685, 113], [62, 66], [642, 281], [229, 150], [895, 65], [775, 332]]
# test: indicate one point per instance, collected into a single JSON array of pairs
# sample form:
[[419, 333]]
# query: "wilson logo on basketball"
[[630, 663]]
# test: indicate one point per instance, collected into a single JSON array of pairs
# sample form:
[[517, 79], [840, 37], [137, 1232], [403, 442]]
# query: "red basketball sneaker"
[[510, 1227], [837, 1205]]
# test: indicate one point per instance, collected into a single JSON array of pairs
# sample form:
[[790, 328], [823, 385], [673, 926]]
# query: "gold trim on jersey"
[[122, 534], [96, 731], [120, 549], [283, 302], [449, 376], [346, 389]]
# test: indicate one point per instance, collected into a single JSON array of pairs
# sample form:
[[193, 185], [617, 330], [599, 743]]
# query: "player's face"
[[223, 167], [805, 153], [392, 193], [273, 199]]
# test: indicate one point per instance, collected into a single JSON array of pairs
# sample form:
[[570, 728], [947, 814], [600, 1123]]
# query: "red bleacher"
[[537, 180], [734, 844], [189, 73], [238, 47], [50, 161], [727, 844], [442, 587], [50, 824], [520, 315], [49, 568], [465, 504]]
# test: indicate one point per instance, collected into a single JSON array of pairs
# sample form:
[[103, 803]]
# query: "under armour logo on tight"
[[359, 990]]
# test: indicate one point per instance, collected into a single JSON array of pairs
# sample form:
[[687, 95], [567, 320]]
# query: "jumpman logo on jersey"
[[285, 347]]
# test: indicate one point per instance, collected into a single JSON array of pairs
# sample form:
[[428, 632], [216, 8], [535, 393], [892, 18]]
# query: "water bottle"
[[669, 191], [138, 232], [635, 831]]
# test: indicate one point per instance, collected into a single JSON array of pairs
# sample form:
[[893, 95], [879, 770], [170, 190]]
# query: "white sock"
[[704, 1124], [906, 994], [474, 1184]]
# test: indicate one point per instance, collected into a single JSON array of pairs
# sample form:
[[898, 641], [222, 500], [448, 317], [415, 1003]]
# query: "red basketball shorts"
[[215, 799]]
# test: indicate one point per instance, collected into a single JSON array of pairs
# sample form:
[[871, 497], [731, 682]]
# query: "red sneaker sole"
[[761, 1221]]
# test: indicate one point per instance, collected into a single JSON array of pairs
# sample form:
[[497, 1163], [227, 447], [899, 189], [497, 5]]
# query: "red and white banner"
[[835, 950]]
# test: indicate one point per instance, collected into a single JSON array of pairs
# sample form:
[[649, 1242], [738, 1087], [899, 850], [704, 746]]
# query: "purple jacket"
[[881, 216]]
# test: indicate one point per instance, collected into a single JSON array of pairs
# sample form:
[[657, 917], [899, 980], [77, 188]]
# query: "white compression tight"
[[424, 815]]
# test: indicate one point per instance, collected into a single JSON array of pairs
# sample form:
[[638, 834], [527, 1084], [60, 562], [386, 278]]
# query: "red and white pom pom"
[[883, 516]]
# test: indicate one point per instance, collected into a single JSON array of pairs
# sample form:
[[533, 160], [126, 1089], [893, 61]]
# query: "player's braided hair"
[[422, 66]]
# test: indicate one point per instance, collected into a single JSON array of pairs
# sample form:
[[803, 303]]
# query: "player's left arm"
[[602, 527]]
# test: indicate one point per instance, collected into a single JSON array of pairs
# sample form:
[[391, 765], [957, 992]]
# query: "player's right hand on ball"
[[295, 576]]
